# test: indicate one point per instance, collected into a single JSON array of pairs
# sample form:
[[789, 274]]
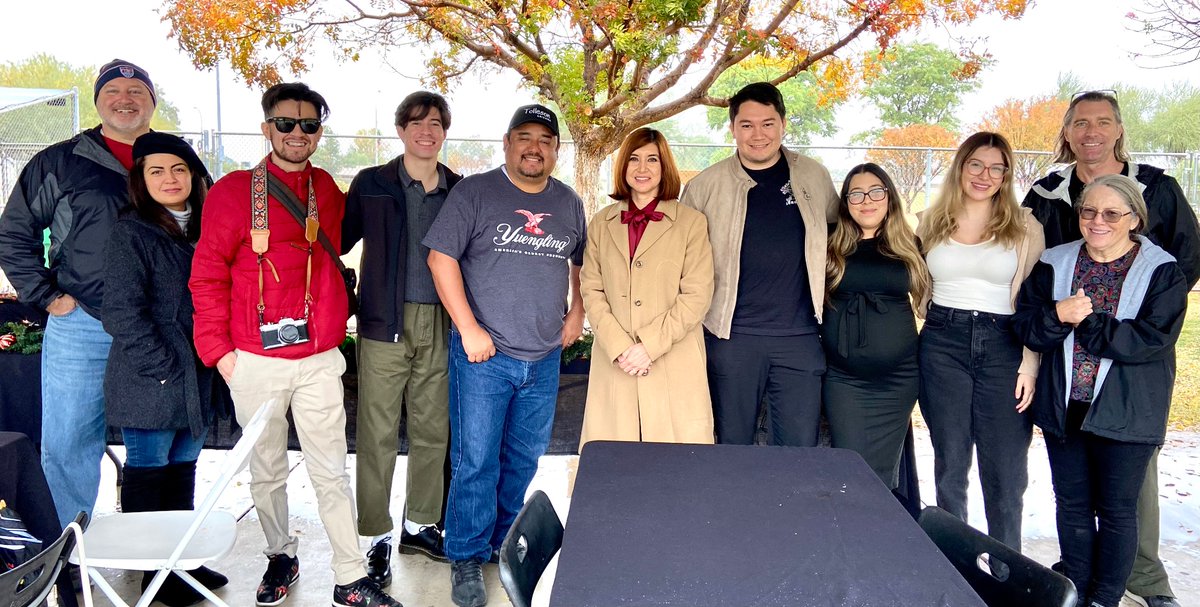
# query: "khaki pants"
[[312, 388], [1149, 577], [412, 371]]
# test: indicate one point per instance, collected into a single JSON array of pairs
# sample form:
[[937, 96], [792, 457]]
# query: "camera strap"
[[262, 183]]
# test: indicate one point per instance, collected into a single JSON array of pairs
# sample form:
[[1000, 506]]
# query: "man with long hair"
[[1092, 143]]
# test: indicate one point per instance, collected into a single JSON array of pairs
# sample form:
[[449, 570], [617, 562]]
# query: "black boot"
[[179, 494], [148, 489]]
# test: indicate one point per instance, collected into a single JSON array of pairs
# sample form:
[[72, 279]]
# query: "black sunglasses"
[[309, 126]]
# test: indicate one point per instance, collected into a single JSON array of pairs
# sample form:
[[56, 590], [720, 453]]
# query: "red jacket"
[[224, 281]]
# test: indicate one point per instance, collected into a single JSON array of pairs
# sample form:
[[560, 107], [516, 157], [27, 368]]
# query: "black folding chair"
[[532, 541], [30, 583], [1000, 575]]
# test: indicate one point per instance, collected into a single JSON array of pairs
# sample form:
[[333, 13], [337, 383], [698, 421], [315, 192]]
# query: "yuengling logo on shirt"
[[514, 234]]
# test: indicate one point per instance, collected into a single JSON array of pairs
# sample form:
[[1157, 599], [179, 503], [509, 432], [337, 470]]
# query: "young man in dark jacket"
[[1092, 140], [403, 335], [75, 188]]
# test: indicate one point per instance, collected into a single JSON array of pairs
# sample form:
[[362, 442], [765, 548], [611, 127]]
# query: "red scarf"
[[638, 219]]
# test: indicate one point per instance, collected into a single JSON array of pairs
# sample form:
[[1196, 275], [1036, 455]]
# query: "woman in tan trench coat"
[[648, 379]]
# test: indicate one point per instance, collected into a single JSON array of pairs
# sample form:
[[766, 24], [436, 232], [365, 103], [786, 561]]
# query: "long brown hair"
[[940, 221], [895, 237], [668, 188], [155, 213]]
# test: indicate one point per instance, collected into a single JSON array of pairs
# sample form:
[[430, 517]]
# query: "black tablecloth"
[[23, 486], [699, 525]]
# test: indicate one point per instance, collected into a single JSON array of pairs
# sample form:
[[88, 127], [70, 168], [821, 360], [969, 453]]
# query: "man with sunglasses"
[[1092, 142], [403, 333], [271, 309]]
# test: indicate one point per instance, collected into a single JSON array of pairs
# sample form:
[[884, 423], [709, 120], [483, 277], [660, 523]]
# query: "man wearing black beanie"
[[75, 188]]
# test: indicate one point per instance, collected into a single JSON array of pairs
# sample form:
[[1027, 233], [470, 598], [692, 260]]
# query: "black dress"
[[870, 339]]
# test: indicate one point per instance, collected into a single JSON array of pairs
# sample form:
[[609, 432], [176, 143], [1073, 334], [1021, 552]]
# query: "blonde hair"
[[940, 221], [896, 238]]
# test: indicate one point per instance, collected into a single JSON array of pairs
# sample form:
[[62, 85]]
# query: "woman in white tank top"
[[975, 386]]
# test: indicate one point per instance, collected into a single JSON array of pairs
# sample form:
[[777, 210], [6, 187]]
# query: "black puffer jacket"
[[1132, 396], [1172, 223], [154, 379], [75, 188], [376, 214]]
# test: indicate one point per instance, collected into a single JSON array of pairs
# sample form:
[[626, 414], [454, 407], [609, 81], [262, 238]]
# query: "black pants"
[[1096, 485], [786, 369], [968, 364]]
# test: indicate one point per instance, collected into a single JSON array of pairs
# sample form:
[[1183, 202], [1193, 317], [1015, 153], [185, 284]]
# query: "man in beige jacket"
[[768, 210]]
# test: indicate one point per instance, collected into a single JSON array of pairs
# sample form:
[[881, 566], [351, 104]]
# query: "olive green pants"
[[1149, 577], [412, 372]]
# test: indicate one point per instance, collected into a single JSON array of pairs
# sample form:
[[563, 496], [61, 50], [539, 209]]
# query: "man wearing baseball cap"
[[75, 188], [503, 251]]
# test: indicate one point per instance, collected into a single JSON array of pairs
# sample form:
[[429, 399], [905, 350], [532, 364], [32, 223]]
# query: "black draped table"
[[709, 525], [23, 487]]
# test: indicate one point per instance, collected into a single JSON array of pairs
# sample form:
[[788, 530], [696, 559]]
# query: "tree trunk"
[[587, 177]]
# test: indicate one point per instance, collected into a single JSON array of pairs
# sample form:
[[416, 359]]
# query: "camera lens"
[[288, 334]]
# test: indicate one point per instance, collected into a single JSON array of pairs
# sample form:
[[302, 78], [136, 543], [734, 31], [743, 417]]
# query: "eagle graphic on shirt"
[[534, 219]]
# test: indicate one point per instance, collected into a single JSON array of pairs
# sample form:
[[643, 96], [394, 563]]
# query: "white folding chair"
[[170, 541]]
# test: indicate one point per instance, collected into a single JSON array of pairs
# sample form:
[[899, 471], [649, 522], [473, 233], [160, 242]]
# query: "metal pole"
[[219, 169], [75, 118], [928, 174]]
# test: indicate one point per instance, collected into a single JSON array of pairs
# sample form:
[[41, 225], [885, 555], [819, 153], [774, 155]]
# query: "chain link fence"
[[30, 120]]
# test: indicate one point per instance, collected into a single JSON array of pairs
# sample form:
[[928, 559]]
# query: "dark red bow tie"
[[640, 216]]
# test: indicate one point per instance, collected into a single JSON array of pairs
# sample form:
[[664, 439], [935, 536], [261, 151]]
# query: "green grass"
[[1185, 405]]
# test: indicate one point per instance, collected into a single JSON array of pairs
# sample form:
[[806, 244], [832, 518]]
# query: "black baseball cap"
[[537, 113]]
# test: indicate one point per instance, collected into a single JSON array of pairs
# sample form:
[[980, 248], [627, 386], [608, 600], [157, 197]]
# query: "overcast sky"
[[1088, 37]]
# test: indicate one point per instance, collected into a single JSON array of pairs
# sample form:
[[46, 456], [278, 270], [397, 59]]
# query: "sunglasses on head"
[[1109, 93], [309, 126]]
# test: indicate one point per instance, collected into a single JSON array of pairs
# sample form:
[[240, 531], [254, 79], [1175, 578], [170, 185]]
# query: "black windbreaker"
[[75, 188]]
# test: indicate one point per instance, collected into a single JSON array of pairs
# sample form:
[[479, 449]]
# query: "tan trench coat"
[[658, 299]]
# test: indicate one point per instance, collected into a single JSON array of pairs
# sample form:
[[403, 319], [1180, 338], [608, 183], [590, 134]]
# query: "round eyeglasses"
[[996, 171], [876, 194]]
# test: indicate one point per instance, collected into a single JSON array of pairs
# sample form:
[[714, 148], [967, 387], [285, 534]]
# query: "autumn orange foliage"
[[609, 66], [1030, 125], [910, 169]]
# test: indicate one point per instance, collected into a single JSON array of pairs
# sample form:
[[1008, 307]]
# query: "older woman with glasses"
[[975, 380], [1105, 312], [874, 273]]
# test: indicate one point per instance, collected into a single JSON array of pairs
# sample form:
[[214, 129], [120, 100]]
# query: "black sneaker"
[[282, 572], [428, 542], [362, 593], [379, 563], [466, 583]]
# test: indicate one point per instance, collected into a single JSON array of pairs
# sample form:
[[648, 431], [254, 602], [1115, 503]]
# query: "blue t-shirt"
[[513, 248]]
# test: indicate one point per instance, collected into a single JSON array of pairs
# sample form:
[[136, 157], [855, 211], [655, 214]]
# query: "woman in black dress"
[[875, 271]]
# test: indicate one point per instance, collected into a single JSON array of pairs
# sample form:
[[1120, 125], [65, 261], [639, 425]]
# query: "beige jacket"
[[658, 299], [1028, 252], [720, 193]]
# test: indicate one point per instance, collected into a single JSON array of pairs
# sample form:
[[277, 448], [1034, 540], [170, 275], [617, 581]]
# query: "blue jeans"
[[157, 448], [968, 364], [501, 413], [74, 354]]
